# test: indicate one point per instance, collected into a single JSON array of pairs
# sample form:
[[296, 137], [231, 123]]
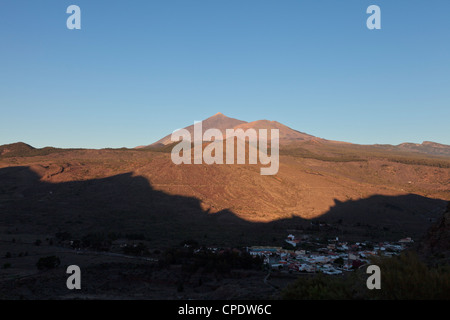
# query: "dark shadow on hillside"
[[128, 204]]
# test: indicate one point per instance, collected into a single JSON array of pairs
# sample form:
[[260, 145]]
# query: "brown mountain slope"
[[16, 149], [300, 143], [20, 149], [286, 134], [217, 121], [222, 122], [427, 147], [304, 188]]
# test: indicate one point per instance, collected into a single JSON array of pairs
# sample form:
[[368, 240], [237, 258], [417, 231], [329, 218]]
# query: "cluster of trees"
[[139, 249], [430, 162], [20, 254], [362, 154], [339, 157], [46, 263], [207, 261], [98, 241], [403, 277]]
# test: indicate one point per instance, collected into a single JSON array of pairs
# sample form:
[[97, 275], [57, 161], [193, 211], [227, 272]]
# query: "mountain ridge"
[[222, 122], [217, 121], [290, 137]]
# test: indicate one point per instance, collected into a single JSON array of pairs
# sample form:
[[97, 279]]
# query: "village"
[[335, 257], [300, 253]]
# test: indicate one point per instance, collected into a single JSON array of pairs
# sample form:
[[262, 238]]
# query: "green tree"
[[49, 262]]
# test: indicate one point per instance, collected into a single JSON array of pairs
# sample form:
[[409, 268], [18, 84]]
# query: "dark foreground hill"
[[85, 207], [435, 246]]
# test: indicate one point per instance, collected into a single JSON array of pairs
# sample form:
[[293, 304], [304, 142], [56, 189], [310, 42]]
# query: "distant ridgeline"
[[21, 149]]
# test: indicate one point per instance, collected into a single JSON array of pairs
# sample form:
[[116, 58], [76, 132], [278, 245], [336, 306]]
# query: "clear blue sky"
[[139, 69]]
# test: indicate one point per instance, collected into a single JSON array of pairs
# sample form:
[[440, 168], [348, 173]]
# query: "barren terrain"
[[84, 206]]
